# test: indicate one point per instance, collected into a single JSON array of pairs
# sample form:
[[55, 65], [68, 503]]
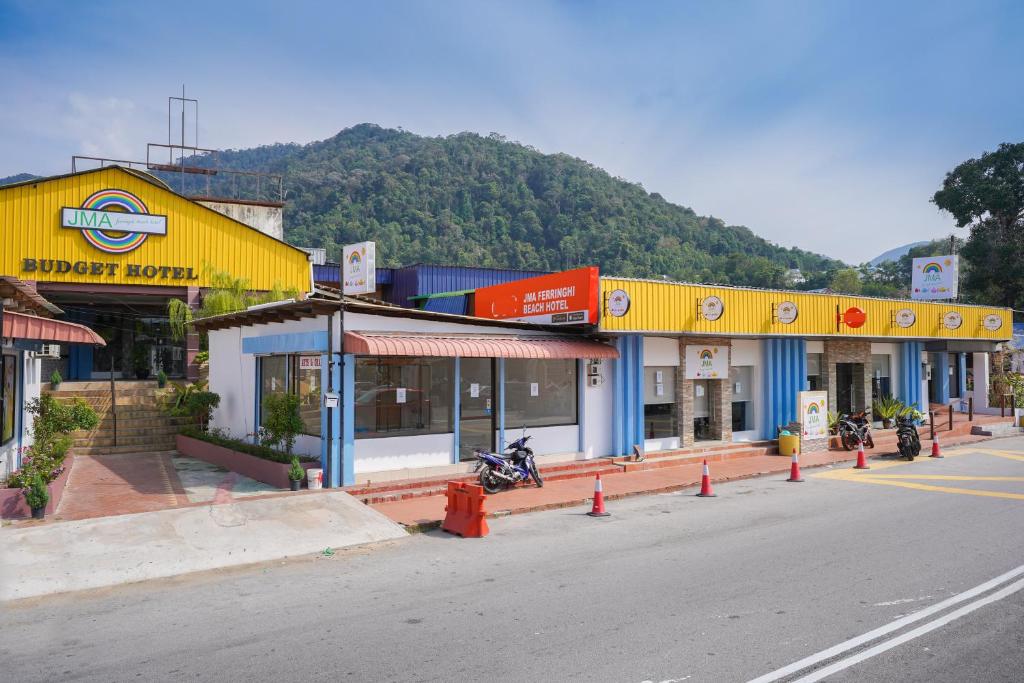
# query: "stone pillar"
[[192, 338], [847, 351], [719, 395]]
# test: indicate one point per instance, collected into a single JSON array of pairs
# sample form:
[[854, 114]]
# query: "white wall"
[[598, 412], [666, 444], [362, 322], [401, 452], [661, 352], [233, 377], [816, 346], [749, 352], [546, 440]]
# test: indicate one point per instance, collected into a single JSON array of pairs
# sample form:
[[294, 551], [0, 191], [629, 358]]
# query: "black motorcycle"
[[907, 439], [854, 430]]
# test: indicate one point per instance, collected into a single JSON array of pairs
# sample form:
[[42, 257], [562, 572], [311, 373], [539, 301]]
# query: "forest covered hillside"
[[471, 200]]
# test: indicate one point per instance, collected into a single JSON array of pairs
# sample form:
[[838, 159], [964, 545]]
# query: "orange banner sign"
[[565, 298]]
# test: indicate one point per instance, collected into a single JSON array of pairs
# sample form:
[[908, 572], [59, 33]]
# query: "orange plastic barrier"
[[465, 514]]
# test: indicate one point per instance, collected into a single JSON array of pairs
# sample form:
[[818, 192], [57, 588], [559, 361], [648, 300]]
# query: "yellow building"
[[706, 362], [112, 246]]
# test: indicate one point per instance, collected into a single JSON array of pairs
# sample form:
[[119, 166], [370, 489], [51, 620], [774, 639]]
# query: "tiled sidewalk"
[[428, 511]]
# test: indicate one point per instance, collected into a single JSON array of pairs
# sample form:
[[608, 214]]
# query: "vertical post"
[[1002, 405], [970, 409], [931, 422], [950, 417], [113, 398], [330, 411]]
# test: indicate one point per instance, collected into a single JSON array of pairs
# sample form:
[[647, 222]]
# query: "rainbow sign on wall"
[[935, 277], [114, 221]]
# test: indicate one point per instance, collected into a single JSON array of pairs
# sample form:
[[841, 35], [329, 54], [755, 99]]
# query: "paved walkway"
[[429, 511], [128, 483]]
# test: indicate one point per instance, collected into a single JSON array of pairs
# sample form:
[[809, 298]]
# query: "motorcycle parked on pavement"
[[503, 470], [907, 440], [854, 430]]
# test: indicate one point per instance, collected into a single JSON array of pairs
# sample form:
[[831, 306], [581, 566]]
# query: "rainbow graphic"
[[110, 241], [931, 267], [706, 355], [812, 409], [353, 258]]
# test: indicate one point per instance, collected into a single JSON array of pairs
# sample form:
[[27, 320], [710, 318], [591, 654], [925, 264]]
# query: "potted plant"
[[55, 380], [161, 379], [37, 496], [295, 474], [886, 409]]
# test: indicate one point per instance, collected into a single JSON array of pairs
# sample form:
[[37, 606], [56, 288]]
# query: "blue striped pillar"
[[785, 376], [628, 422], [909, 385], [940, 374], [962, 369]]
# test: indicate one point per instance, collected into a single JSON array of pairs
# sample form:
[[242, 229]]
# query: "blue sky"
[[826, 125]]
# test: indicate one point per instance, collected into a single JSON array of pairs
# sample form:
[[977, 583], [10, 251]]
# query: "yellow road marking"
[[1010, 455], [943, 489], [942, 477]]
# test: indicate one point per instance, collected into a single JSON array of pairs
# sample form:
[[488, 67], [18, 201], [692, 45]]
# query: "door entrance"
[[849, 387], [476, 411], [703, 408]]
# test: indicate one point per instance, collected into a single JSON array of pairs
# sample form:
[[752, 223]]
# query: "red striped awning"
[[429, 345], [22, 326]]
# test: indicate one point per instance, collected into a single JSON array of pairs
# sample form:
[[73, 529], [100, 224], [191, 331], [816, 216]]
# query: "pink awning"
[[21, 326], [475, 347]]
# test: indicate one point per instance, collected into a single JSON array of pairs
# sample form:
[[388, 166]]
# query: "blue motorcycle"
[[503, 470]]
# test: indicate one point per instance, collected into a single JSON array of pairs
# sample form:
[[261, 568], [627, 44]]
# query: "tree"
[[987, 196], [847, 281]]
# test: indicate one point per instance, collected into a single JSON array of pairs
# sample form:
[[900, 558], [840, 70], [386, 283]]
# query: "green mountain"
[[484, 201]]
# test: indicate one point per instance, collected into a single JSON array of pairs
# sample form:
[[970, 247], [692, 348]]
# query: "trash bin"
[[788, 443], [315, 477]]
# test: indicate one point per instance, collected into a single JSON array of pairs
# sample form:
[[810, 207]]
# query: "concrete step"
[[164, 440], [130, 430], [129, 448], [996, 429], [680, 459]]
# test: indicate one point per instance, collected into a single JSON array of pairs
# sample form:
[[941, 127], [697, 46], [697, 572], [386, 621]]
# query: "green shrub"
[[887, 408], [202, 357], [218, 438], [283, 421], [36, 494], [52, 422], [55, 378], [295, 472], [200, 404], [161, 379]]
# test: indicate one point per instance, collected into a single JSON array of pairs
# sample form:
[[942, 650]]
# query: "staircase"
[[142, 425]]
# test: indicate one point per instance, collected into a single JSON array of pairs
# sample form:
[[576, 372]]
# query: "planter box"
[[266, 471], [12, 501]]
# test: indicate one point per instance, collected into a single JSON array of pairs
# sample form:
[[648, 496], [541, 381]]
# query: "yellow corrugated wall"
[[197, 237], [672, 307]]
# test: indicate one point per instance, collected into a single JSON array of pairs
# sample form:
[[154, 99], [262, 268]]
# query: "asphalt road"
[[670, 587]]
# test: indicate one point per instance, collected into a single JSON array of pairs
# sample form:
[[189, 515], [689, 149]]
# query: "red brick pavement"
[[120, 484]]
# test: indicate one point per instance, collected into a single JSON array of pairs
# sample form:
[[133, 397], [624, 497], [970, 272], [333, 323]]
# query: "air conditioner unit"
[[594, 380], [49, 351]]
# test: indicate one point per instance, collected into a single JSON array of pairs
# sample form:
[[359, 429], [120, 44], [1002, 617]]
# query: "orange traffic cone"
[[794, 469], [862, 460], [705, 483], [936, 449], [598, 509]]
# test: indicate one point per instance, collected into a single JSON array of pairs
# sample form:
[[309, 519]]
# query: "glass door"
[[702, 406], [476, 412]]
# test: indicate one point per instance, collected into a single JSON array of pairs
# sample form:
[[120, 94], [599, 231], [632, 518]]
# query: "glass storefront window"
[[273, 379], [400, 396], [306, 385], [814, 371], [660, 420], [880, 382], [742, 378], [8, 396], [540, 393]]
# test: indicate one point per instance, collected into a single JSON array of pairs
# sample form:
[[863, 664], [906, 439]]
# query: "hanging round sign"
[[952, 320], [787, 312], [712, 308], [993, 322], [618, 303], [905, 317], [854, 317]]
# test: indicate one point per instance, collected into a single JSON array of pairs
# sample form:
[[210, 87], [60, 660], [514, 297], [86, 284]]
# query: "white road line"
[[910, 635], [888, 628]]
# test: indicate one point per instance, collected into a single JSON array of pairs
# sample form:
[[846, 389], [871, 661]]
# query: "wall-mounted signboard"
[[358, 268], [934, 277], [707, 362], [566, 298]]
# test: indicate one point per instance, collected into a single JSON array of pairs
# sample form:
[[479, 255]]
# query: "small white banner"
[[707, 362], [934, 277], [814, 414], [114, 221]]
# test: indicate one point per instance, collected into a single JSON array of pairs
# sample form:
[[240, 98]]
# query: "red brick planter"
[[12, 501], [266, 471]]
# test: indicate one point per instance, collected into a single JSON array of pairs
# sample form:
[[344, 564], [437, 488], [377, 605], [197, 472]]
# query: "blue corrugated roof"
[[421, 279], [447, 304], [328, 274]]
